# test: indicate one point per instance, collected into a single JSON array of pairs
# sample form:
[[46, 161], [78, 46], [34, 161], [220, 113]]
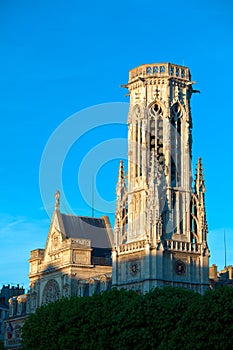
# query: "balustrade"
[[183, 246]]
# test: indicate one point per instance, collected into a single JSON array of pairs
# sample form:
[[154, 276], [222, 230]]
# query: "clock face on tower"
[[180, 267], [134, 268]]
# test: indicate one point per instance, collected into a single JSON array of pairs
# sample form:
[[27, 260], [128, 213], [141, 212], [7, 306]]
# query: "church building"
[[160, 231]]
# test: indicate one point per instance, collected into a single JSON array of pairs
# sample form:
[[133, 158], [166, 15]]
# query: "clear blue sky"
[[58, 57]]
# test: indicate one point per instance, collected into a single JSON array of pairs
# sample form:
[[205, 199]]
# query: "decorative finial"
[[121, 171], [57, 203], [121, 179]]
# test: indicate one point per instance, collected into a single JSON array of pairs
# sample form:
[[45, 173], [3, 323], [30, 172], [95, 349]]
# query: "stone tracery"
[[51, 292]]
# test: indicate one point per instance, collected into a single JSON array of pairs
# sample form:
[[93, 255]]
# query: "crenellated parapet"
[[159, 70]]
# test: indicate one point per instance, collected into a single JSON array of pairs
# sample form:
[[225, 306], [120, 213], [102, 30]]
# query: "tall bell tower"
[[160, 226]]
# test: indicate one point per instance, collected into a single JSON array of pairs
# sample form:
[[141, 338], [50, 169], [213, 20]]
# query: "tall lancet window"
[[160, 153], [156, 133], [137, 142], [176, 134], [193, 220], [136, 149]]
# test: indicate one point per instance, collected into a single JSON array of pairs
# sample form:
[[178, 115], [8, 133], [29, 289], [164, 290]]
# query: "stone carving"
[[57, 196], [51, 292]]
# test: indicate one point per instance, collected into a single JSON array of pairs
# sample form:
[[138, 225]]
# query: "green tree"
[[164, 309], [168, 318], [207, 323]]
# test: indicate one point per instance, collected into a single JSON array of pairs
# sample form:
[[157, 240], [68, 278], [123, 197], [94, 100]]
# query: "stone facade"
[[160, 227], [78, 251]]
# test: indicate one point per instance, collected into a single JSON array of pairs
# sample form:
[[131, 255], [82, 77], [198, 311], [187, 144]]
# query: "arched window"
[[160, 153], [136, 148], [176, 134], [138, 145], [155, 131], [193, 220], [181, 214], [51, 292], [174, 203], [137, 114]]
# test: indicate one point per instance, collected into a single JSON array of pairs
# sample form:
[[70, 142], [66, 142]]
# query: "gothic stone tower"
[[160, 225]]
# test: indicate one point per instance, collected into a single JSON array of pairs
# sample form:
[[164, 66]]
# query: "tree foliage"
[[168, 318]]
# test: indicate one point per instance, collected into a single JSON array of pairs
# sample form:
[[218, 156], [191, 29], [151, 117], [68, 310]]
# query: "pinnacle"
[[199, 177], [121, 171], [199, 172]]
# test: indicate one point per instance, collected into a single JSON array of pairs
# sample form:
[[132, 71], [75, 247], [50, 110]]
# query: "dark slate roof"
[[87, 228]]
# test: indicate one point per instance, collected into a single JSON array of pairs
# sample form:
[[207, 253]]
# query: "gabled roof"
[[94, 229]]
